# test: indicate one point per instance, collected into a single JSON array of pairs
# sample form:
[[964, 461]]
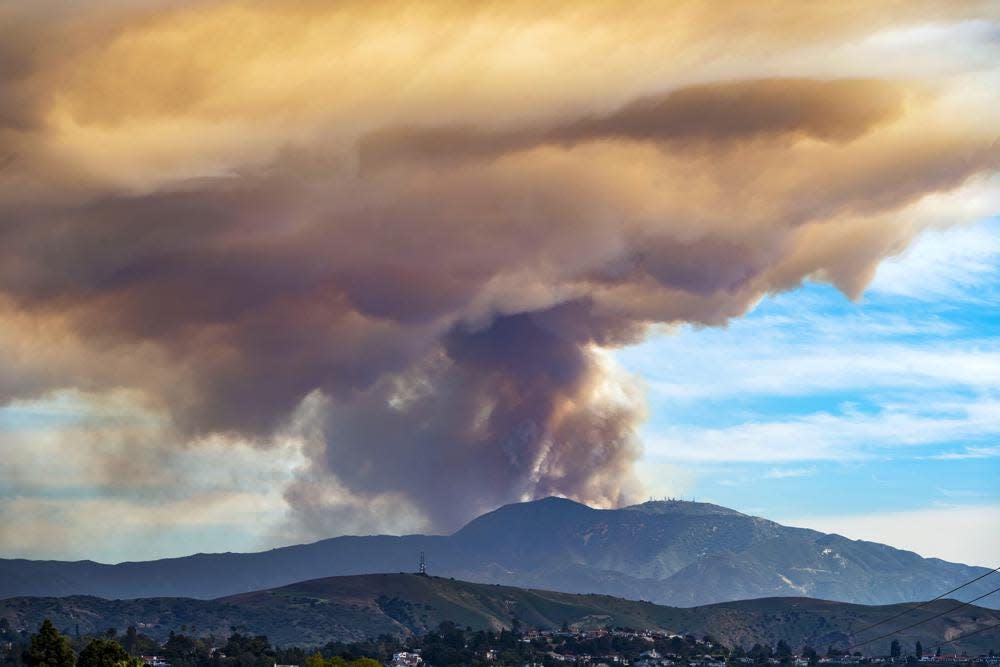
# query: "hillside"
[[678, 553], [352, 608]]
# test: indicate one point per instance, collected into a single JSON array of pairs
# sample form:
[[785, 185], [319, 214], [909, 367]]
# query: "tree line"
[[445, 646], [48, 647]]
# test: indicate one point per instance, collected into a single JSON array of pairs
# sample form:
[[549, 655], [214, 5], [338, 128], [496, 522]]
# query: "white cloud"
[[827, 437], [969, 453], [787, 473], [758, 366], [950, 262], [963, 534]]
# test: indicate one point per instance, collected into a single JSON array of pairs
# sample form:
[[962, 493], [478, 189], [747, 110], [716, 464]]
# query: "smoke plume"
[[405, 234]]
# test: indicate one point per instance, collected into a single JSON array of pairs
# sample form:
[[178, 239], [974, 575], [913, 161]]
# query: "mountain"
[[353, 608], [674, 552]]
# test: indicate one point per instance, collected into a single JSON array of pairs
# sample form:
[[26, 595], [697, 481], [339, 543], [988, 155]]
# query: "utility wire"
[[924, 604], [929, 618], [969, 634]]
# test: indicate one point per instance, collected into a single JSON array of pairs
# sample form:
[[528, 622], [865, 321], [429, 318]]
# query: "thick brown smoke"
[[407, 241], [837, 110]]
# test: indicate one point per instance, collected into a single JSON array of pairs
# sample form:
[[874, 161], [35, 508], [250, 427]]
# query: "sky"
[[273, 272], [876, 419]]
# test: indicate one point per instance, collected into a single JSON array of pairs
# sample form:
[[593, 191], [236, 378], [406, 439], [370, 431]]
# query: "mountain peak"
[[673, 551], [684, 507], [526, 515]]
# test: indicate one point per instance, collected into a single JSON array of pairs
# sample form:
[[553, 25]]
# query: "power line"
[[969, 634], [924, 604], [929, 618]]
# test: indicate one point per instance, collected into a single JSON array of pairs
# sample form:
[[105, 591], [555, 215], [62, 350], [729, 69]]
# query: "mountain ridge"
[[363, 606], [671, 552]]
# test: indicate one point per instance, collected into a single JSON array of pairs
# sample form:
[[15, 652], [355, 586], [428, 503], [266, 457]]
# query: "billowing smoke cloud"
[[405, 240], [837, 110]]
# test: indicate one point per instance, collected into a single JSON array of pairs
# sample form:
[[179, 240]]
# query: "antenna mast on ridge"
[[423, 564]]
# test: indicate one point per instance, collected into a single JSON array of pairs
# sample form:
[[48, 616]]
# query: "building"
[[406, 659]]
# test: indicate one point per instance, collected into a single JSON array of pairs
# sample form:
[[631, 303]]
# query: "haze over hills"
[[670, 552], [354, 608]]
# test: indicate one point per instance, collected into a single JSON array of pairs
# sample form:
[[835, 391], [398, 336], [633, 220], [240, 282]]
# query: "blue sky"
[[816, 410]]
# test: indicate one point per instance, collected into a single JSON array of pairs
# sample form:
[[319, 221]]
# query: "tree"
[[48, 648], [919, 650], [184, 651], [130, 639], [247, 651], [761, 654], [103, 652], [894, 650], [316, 660]]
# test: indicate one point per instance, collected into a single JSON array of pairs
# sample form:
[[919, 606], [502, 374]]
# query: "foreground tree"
[[49, 648], [104, 653], [130, 639]]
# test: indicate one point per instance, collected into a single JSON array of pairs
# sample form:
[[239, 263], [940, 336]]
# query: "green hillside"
[[353, 608]]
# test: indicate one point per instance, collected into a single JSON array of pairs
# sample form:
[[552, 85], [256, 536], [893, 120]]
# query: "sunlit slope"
[[356, 607]]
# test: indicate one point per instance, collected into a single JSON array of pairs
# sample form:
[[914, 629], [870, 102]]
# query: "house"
[[406, 659]]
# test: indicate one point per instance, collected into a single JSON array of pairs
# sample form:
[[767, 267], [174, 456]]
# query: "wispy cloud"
[[956, 264], [802, 368], [786, 473], [825, 436], [969, 453]]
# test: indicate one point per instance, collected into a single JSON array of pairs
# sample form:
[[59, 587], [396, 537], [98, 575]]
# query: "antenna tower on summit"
[[423, 564]]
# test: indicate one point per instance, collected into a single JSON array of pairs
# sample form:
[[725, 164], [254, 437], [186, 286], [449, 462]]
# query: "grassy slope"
[[349, 608]]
